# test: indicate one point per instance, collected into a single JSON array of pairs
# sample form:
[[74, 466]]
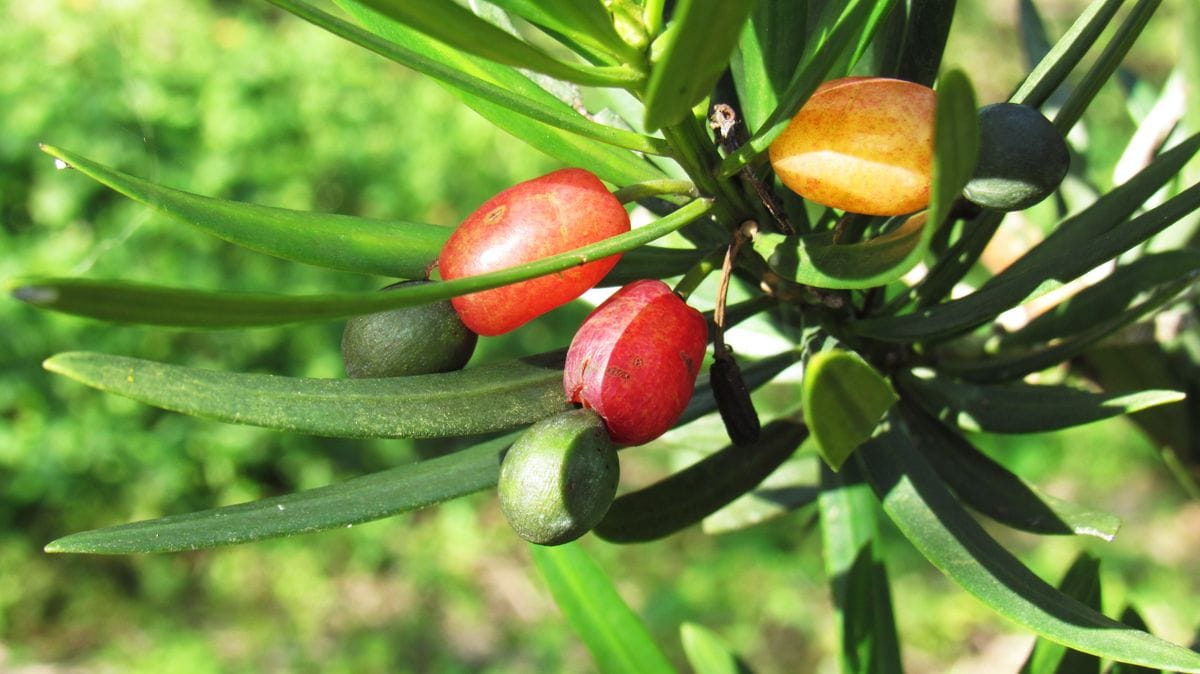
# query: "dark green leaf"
[[790, 488], [480, 399], [504, 96], [396, 249], [688, 496], [1053, 69], [458, 28], [343, 504], [929, 516], [1099, 302], [616, 638], [766, 56], [843, 398], [854, 565], [1009, 365], [1082, 582], [154, 305], [584, 22], [992, 490], [916, 40], [690, 55], [1078, 244], [1102, 71], [820, 56], [1022, 408], [814, 260], [706, 652], [955, 146], [652, 262]]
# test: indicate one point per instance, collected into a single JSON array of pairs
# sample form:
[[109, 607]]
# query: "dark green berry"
[[1022, 158], [559, 478], [411, 340]]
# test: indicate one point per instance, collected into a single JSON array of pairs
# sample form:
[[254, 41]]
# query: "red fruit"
[[538, 218], [635, 360]]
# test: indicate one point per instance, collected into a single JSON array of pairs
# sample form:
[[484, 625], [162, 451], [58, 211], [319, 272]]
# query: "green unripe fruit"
[[411, 340], [1022, 158], [559, 478]]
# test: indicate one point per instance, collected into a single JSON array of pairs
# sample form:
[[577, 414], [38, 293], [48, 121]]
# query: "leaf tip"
[[33, 294]]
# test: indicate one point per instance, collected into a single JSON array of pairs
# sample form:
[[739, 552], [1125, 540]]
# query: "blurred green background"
[[236, 100]]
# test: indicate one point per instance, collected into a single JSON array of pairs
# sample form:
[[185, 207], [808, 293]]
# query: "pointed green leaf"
[[616, 638], [155, 305], [914, 48], [790, 488], [688, 496], [458, 28], [817, 262], [343, 504], [396, 249], [821, 54], [932, 520], [1082, 582], [690, 55], [585, 22], [843, 398], [992, 490], [1023, 408], [476, 400], [955, 146], [1078, 244], [1131, 617], [1097, 303], [502, 95], [706, 652], [1053, 69], [854, 566], [766, 56]]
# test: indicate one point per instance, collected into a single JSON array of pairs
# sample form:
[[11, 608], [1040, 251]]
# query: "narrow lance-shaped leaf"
[[933, 521], [342, 504], [337, 505], [818, 59], [585, 22], [765, 58], [688, 496], [155, 305], [502, 95], [992, 490], [457, 27], [843, 398], [1053, 69], [1077, 245], [855, 568], [616, 638], [916, 40], [706, 652], [1022, 408], [476, 400], [1082, 582], [690, 55], [396, 249], [955, 145]]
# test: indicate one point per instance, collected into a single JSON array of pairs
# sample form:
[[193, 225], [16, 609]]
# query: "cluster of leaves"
[[894, 371]]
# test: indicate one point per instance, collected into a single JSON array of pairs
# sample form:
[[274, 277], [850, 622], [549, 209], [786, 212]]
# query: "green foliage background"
[[232, 99]]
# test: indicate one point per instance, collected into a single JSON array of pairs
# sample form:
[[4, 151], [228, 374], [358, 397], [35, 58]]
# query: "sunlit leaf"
[[955, 144], [1082, 582], [584, 22], [476, 400], [706, 652], [688, 496], [342, 504], [617, 639], [843, 398], [766, 56], [1053, 69], [690, 55], [992, 490], [386, 248], [1023, 408], [156, 305], [933, 521]]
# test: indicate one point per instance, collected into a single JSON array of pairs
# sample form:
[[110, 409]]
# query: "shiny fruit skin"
[[1022, 158], [413, 340], [545, 216], [862, 145], [635, 360], [559, 478]]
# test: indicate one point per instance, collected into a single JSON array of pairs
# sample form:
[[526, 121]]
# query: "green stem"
[[654, 188], [699, 271]]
